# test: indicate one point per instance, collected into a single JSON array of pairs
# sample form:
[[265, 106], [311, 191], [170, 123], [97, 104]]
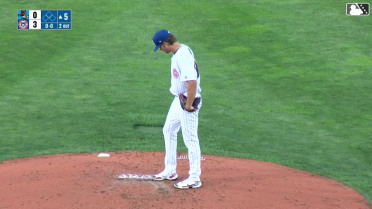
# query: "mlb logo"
[[357, 9]]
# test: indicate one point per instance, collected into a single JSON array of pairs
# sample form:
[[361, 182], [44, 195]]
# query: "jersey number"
[[196, 68]]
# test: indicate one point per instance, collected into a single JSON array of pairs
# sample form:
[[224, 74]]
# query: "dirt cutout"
[[85, 181]]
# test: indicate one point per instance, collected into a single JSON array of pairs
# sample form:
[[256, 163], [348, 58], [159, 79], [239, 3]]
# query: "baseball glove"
[[183, 101]]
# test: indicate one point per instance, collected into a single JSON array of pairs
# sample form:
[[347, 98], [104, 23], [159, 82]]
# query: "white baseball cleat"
[[188, 184], [165, 175]]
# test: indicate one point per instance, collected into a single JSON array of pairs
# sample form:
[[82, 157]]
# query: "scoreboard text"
[[44, 19]]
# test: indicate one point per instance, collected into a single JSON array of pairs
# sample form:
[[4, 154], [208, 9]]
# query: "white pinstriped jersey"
[[184, 68]]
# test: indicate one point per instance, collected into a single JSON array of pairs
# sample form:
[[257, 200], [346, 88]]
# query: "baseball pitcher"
[[183, 112]]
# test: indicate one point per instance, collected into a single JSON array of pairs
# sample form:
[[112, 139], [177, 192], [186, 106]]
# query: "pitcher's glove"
[[183, 100]]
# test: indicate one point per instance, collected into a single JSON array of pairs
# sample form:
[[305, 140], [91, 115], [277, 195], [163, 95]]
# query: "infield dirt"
[[78, 181]]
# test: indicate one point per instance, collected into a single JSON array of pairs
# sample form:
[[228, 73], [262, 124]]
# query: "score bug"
[[44, 19]]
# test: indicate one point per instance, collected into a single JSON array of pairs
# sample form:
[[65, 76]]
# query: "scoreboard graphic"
[[44, 20]]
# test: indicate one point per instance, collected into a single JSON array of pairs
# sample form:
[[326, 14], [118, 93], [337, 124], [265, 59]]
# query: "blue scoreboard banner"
[[44, 20]]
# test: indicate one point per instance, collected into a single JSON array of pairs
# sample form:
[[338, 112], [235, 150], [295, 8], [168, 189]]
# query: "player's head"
[[352, 7], [160, 37], [163, 36]]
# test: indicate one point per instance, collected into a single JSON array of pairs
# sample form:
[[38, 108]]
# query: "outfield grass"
[[287, 82]]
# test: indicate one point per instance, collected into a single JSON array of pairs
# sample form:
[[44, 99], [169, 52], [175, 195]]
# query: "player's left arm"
[[191, 91]]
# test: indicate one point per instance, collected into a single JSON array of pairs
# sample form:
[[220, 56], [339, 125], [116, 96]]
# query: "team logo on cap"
[[175, 73]]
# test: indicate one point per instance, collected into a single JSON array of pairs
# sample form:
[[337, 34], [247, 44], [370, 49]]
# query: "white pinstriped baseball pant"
[[178, 118]]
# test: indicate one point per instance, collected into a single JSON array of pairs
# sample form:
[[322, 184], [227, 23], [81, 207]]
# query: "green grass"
[[283, 81]]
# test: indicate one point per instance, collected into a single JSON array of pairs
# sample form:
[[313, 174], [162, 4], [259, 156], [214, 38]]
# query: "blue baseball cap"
[[160, 37]]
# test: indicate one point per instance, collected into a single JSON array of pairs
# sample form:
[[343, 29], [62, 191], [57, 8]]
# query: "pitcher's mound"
[[77, 181]]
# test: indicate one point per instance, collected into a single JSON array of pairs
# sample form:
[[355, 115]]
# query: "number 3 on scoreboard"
[[36, 24]]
